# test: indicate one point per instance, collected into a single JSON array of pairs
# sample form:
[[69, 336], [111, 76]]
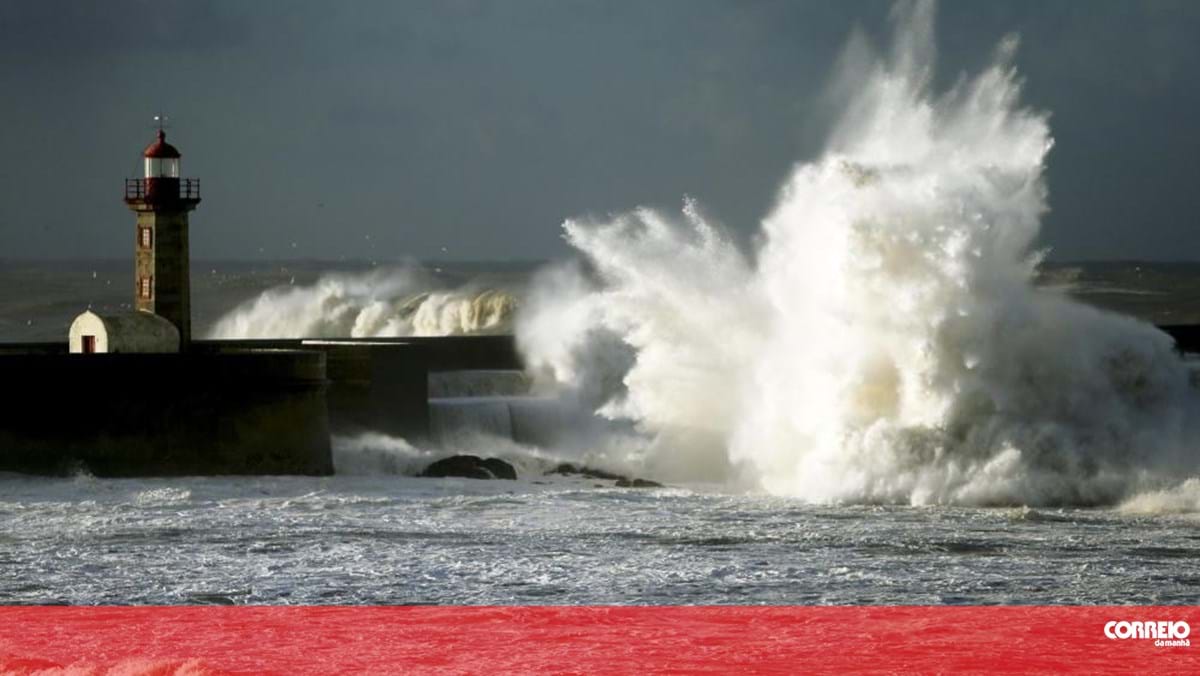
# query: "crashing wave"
[[387, 303], [886, 341]]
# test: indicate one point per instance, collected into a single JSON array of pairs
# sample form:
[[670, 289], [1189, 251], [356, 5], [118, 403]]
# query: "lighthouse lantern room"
[[162, 159]]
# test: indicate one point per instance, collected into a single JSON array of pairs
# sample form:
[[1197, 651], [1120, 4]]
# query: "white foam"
[[371, 454], [1181, 499], [380, 303], [885, 342]]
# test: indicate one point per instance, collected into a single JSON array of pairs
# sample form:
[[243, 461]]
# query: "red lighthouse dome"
[[160, 148]]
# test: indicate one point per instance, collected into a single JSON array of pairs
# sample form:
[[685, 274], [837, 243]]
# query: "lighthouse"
[[162, 201]]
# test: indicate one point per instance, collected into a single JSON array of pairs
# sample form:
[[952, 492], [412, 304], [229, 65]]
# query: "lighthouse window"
[[145, 237], [159, 167], [144, 287]]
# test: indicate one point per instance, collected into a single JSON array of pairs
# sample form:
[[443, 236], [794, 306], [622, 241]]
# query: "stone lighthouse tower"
[[162, 201]]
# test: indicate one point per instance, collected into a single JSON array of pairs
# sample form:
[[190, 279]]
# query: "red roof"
[[161, 148]]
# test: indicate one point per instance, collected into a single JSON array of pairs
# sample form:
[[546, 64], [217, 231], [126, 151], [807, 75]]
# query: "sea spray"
[[380, 303], [885, 342], [372, 453], [1183, 498]]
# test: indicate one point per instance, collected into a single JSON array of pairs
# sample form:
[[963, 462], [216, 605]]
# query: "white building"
[[130, 331]]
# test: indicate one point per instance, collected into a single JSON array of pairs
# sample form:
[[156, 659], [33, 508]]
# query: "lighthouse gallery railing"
[[136, 188]]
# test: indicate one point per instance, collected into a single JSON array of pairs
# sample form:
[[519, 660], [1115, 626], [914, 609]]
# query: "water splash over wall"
[[381, 303], [885, 341]]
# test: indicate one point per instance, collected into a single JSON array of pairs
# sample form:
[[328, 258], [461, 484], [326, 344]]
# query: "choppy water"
[[383, 538], [393, 540]]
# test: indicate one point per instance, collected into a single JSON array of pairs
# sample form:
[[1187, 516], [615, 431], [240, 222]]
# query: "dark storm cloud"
[[392, 129], [57, 30]]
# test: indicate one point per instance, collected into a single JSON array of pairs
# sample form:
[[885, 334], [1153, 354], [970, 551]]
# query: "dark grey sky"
[[393, 129]]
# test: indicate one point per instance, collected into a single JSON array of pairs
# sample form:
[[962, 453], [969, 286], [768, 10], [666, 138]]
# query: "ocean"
[[372, 535], [396, 540]]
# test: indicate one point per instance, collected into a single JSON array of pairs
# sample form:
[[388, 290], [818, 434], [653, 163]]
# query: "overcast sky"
[[396, 129]]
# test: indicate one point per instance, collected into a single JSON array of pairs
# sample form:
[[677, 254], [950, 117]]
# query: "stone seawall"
[[382, 384], [228, 412], [224, 407]]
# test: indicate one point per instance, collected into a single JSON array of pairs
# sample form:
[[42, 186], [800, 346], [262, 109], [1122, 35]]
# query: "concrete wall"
[[228, 407], [379, 387], [165, 414], [382, 384], [441, 353]]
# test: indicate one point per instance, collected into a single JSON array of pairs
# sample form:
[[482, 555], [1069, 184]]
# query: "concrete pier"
[[382, 384], [224, 407], [236, 406], [165, 414]]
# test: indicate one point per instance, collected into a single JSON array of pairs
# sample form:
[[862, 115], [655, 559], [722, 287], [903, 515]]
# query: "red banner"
[[596, 640]]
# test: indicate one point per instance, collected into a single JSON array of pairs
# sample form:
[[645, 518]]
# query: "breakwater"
[[224, 407], [165, 414], [236, 406]]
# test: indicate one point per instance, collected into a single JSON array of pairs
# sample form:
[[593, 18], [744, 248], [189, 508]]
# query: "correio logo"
[[1165, 634]]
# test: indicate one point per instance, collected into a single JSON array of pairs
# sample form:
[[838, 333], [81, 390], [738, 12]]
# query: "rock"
[[499, 468], [637, 483], [567, 469], [470, 467]]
